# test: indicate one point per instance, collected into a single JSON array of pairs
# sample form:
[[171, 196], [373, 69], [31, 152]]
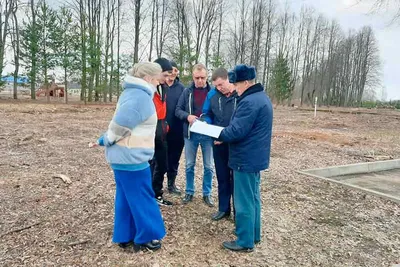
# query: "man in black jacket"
[[249, 137], [189, 109], [159, 163], [175, 135], [217, 110]]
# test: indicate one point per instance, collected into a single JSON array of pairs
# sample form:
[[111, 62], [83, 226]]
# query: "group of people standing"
[[151, 127]]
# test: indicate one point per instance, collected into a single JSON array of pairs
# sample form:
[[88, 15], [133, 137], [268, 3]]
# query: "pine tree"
[[67, 44], [47, 23], [30, 47], [281, 85]]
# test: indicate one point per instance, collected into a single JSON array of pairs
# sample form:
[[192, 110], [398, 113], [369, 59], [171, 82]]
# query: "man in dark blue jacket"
[[189, 109], [249, 138], [217, 110], [175, 134]]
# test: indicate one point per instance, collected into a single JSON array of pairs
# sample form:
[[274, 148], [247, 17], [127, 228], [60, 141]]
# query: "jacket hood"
[[134, 83]]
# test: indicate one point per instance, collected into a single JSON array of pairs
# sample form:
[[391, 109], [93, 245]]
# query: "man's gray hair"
[[198, 67]]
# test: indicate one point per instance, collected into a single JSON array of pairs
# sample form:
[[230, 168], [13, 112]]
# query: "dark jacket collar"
[[252, 90], [176, 81], [164, 87]]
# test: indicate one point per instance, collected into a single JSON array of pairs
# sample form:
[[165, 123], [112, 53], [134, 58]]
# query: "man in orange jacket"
[[159, 164]]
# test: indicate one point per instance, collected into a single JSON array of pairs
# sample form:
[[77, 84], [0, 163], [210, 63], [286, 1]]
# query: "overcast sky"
[[351, 14]]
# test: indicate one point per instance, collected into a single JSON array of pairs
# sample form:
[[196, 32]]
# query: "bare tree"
[[138, 5], [110, 28], [162, 25], [153, 18], [6, 12], [259, 14], [307, 52], [210, 31], [15, 41], [205, 12], [385, 5], [118, 45]]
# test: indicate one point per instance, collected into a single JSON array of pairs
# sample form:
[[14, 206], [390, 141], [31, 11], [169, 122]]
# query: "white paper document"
[[206, 129]]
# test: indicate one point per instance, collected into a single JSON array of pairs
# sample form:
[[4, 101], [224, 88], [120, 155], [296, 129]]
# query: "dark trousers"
[[158, 166], [175, 145], [224, 177]]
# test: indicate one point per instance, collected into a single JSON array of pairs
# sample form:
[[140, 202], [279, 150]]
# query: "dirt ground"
[[306, 222]]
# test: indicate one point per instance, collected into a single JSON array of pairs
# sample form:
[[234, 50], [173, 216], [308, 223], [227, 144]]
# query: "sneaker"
[[161, 201]]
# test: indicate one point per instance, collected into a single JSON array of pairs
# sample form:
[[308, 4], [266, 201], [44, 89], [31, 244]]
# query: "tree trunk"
[[16, 47], [110, 88], [118, 47], [33, 53], [83, 49], [153, 14], [137, 31], [4, 29], [268, 45]]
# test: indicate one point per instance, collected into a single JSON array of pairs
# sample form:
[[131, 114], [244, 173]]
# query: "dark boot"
[[124, 244], [188, 198], [208, 201], [172, 189], [220, 215], [233, 246], [152, 245]]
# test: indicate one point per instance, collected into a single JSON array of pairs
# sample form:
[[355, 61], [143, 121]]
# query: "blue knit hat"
[[241, 73]]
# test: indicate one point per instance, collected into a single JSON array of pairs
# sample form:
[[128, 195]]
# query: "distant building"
[[10, 79]]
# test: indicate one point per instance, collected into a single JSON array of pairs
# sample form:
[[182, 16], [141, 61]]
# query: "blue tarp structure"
[[10, 79]]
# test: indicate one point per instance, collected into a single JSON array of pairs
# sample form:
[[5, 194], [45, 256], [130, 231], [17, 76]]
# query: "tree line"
[[298, 55]]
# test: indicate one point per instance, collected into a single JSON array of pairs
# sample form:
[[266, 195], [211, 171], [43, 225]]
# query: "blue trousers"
[[224, 177], [191, 147], [248, 208], [137, 215]]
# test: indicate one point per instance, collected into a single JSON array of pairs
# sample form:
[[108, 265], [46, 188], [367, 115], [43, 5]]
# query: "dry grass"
[[306, 222]]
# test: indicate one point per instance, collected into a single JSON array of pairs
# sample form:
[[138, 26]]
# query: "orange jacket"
[[160, 104]]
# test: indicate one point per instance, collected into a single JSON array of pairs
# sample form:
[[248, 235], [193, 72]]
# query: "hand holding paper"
[[206, 129]]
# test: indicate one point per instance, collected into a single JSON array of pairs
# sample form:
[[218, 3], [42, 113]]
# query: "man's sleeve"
[[207, 113], [180, 111], [241, 124]]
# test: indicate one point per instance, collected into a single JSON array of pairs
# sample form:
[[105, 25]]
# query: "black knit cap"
[[173, 63], [164, 63]]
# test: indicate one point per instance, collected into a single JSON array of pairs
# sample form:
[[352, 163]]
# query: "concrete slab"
[[380, 178]]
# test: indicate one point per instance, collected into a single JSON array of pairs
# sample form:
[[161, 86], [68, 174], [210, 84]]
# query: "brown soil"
[[306, 222]]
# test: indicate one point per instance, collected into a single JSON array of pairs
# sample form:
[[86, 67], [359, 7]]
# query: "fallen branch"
[[78, 243], [20, 229], [63, 177]]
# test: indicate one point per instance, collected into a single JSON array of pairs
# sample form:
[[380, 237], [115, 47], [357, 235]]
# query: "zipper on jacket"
[[190, 112], [234, 104], [219, 103]]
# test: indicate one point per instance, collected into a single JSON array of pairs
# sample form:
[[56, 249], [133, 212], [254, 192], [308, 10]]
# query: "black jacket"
[[174, 92], [249, 133], [185, 108]]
